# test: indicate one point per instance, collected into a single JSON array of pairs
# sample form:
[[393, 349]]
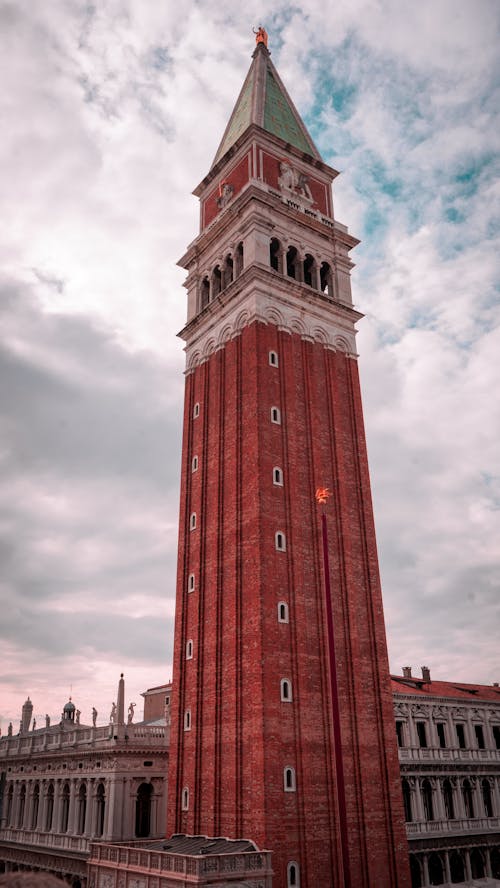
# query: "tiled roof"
[[182, 844], [456, 689], [264, 101]]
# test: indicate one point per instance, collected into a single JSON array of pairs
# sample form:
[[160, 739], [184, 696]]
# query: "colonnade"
[[450, 797], [453, 866]]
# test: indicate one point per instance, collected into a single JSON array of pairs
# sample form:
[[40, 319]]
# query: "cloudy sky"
[[111, 115]]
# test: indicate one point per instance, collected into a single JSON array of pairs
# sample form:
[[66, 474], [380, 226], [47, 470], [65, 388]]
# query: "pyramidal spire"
[[264, 101]]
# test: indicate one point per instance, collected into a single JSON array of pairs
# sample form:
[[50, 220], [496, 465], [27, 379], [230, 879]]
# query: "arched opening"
[[21, 806], [49, 807], [448, 800], [457, 868], [275, 255], [216, 282], [310, 271], [326, 279], [82, 809], [228, 274], [293, 875], [286, 690], [428, 805], [407, 801], [238, 260], [467, 797], [289, 779], [477, 864], [495, 863], [292, 263], [36, 805], [10, 798], [204, 293], [415, 872], [100, 809], [143, 811], [487, 800], [65, 808], [436, 871]]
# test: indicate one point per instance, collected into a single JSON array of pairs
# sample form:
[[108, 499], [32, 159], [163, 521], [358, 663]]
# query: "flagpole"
[[321, 496]]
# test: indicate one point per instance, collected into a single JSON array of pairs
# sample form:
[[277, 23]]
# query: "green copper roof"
[[264, 101]]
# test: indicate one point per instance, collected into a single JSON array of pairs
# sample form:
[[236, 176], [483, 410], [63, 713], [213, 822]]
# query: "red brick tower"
[[272, 410]]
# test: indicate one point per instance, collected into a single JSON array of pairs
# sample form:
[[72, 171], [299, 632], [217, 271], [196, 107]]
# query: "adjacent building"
[[66, 784], [449, 754]]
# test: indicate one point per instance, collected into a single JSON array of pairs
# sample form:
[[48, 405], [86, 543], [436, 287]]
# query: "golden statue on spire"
[[260, 35]]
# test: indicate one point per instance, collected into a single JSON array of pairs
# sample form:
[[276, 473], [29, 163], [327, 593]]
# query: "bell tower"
[[272, 410]]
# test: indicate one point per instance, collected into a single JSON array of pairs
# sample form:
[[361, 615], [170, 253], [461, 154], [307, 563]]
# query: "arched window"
[[238, 260], [436, 870], [273, 359], [10, 799], [468, 799], [185, 799], [143, 811], [216, 282], [192, 521], [101, 809], [189, 649], [35, 806], [407, 800], [286, 690], [415, 872], [21, 806], [49, 807], [427, 800], [449, 807], [65, 808], [477, 864], [187, 720], [278, 476], [310, 273], [280, 541], [282, 612], [196, 410], [293, 875], [487, 801], [325, 279], [204, 293], [457, 868], [495, 862], [194, 464], [191, 583], [82, 809], [228, 273], [292, 263], [275, 255], [289, 779], [275, 415]]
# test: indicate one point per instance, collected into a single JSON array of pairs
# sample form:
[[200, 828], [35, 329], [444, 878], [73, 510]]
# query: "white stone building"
[[64, 785], [449, 753]]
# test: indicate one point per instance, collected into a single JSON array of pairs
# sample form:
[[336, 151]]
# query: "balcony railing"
[[104, 735], [45, 839], [240, 864], [436, 754], [466, 825]]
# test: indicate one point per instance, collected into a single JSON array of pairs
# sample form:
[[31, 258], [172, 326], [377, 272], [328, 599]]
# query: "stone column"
[[468, 870], [426, 870], [412, 731], [109, 814], [72, 808], [87, 829], [56, 816], [488, 863], [440, 813], [419, 806], [129, 810], [495, 797], [40, 824], [447, 870]]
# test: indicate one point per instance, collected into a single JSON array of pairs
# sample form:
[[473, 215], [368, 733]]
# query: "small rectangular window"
[[196, 411], [478, 729], [460, 735], [422, 736], [191, 583], [194, 464], [441, 735], [273, 359], [192, 521], [189, 650], [275, 416], [277, 477], [399, 733]]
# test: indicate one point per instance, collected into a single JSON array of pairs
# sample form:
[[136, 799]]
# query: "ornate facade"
[[64, 785], [449, 753]]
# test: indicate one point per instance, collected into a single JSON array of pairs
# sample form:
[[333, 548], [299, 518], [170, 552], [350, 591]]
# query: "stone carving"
[[226, 191], [47, 721], [9, 730], [130, 717], [77, 717], [94, 716], [294, 183], [112, 714]]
